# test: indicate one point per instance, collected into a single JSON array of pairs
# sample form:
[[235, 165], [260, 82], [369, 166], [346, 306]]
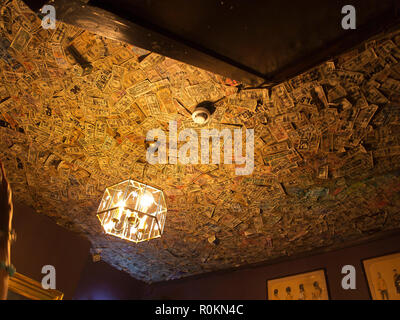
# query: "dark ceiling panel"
[[256, 42], [263, 36]]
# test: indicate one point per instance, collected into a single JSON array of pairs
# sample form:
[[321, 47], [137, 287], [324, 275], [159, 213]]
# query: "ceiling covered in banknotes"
[[76, 108]]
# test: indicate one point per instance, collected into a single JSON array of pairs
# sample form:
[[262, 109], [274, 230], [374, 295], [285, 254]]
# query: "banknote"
[[21, 40]]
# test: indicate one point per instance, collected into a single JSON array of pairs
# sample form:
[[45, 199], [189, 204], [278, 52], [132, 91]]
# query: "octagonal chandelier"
[[133, 211]]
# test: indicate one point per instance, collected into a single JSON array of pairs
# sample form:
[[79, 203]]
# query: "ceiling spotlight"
[[202, 113]]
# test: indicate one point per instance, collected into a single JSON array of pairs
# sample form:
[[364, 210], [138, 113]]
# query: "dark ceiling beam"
[[112, 26], [109, 21]]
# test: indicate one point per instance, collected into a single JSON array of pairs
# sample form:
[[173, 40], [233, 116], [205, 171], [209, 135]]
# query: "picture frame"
[[310, 285], [21, 287], [382, 274]]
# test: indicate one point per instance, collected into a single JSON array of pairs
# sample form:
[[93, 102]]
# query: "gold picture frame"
[[21, 287], [383, 276], [303, 286]]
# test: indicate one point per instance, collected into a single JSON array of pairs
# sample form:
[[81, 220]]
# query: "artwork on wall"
[[383, 276], [305, 286]]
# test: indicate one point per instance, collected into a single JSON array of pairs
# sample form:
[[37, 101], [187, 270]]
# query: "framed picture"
[[383, 276], [305, 286], [21, 287]]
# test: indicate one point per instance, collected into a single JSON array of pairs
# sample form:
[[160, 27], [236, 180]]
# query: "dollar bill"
[[21, 41]]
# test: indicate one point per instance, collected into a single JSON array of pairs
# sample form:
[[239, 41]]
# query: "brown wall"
[[40, 241], [251, 283], [101, 281]]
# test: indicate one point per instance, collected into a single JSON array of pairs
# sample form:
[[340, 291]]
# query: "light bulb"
[[142, 223], [109, 226], [146, 200], [133, 230], [121, 204], [133, 194], [105, 203]]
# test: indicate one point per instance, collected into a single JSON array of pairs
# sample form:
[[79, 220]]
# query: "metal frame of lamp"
[[133, 211]]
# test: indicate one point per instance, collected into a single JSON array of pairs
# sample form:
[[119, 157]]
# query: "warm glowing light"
[[121, 204], [133, 211], [133, 230], [109, 226], [146, 200], [142, 223]]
